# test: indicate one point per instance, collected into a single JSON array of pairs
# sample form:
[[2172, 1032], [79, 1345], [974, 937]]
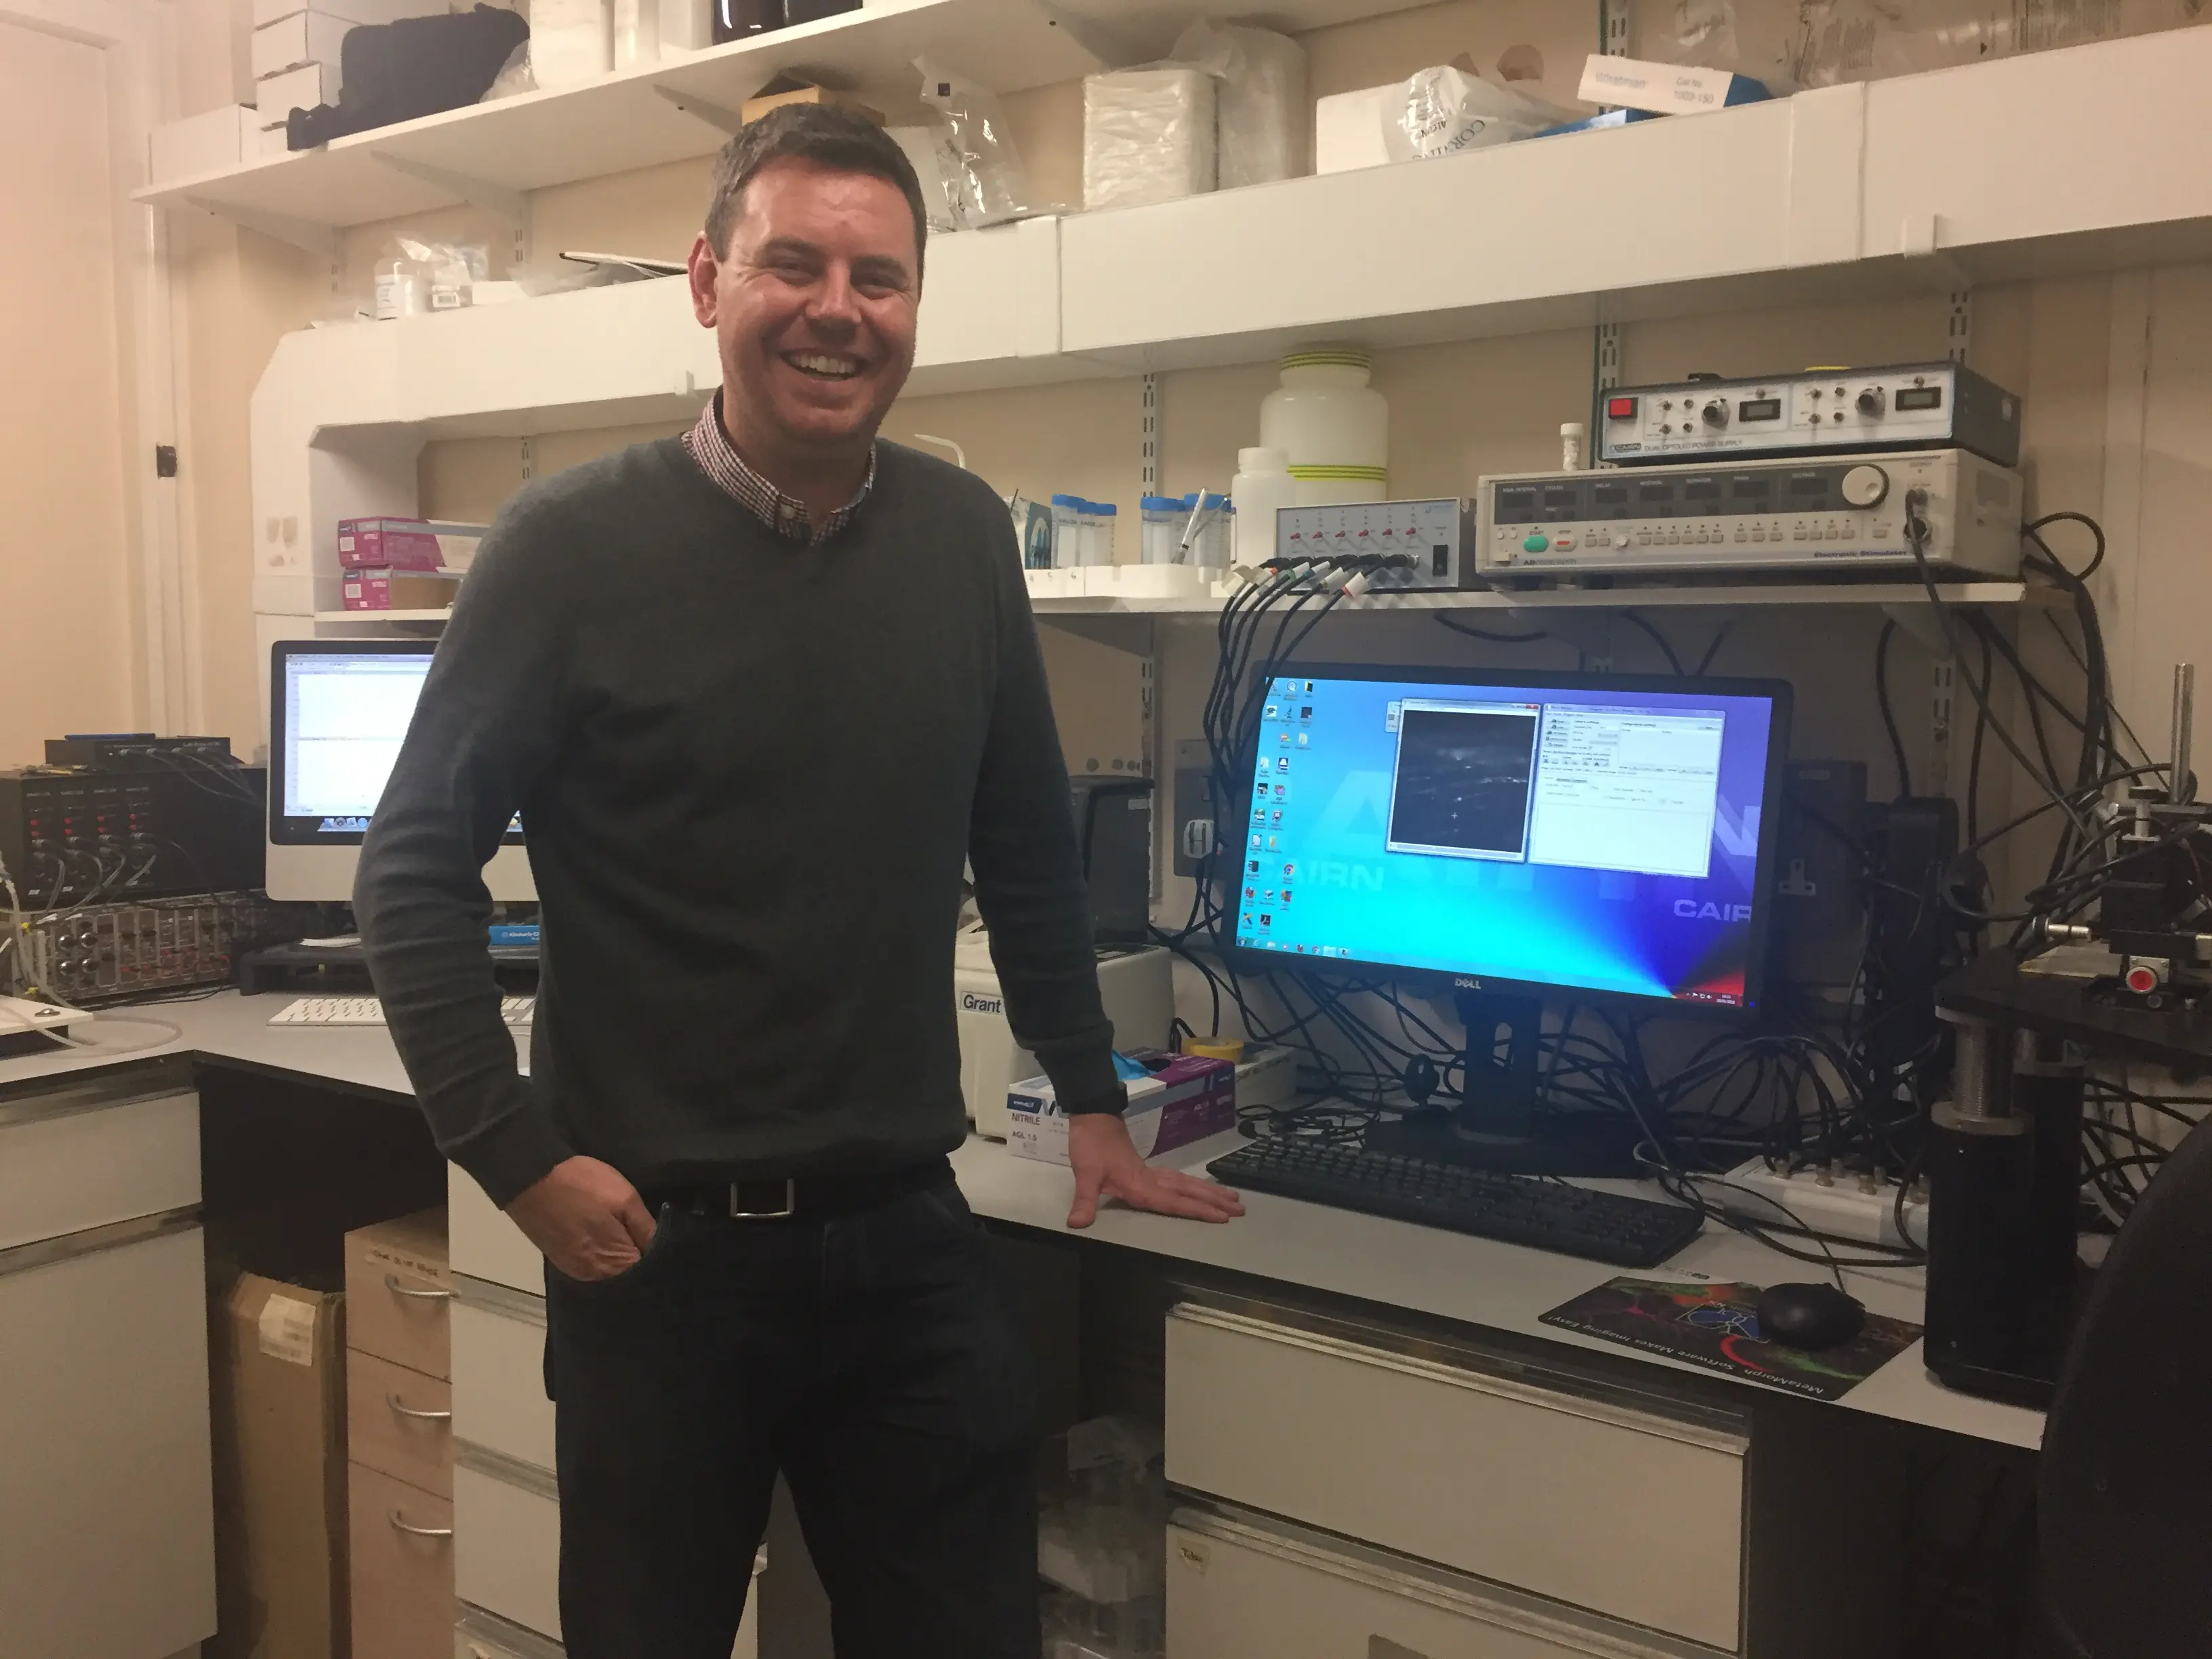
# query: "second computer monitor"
[[338, 711], [1604, 835]]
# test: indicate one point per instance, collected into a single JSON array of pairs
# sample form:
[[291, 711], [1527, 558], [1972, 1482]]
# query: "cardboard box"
[[266, 12], [279, 1412], [753, 108], [1348, 130], [200, 143], [269, 142], [1663, 88], [304, 87], [390, 544], [1184, 1099], [399, 590], [312, 37]]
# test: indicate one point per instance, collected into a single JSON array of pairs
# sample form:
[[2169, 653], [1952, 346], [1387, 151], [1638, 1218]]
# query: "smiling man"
[[758, 691]]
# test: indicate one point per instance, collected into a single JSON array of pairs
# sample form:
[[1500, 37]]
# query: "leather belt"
[[798, 1198]]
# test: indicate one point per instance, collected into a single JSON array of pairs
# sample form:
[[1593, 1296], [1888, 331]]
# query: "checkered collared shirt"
[[710, 447]]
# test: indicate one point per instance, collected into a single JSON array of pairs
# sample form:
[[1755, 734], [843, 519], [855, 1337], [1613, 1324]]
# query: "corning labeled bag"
[[984, 184], [1442, 111]]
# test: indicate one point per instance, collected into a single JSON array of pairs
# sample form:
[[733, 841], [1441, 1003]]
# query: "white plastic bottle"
[[1102, 516], [1262, 484], [1069, 541], [1332, 426]]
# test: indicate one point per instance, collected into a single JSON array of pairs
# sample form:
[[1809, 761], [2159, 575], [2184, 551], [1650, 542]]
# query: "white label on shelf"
[[287, 1330]]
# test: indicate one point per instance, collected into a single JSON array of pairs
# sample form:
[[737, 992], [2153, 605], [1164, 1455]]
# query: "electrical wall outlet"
[[1847, 1204], [1193, 828]]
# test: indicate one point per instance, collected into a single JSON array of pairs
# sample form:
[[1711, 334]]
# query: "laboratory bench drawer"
[[400, 1423], [401, 1546], [499, 1373], [481, 1241], [506, 1529], [1626, 1504], [94, 1152], [507, 1537], [1242, 1586], [398, 1289]]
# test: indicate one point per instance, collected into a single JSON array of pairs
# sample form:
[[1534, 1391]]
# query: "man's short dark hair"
[[824, 135]]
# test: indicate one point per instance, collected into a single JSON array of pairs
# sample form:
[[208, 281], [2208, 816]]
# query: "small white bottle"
[[1572, 437], [1104, 516], [1262, 484]]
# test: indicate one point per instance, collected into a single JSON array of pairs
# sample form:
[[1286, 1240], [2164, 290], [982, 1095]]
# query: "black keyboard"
[[1627, 1232]]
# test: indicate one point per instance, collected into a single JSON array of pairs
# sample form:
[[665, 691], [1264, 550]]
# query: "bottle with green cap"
[[1334, 426]]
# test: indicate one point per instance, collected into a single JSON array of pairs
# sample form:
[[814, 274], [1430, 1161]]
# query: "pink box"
[[1184, 1098], [399, 590], [389, 545]]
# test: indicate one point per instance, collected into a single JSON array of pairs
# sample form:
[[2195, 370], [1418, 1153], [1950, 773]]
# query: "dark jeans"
[[873, 1359]]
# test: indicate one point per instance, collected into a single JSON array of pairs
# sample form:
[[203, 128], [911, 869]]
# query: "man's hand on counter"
[[587, 1219], [1107, 1164]]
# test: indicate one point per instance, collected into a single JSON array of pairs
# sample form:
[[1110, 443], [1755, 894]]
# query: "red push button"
[[1620, 409]]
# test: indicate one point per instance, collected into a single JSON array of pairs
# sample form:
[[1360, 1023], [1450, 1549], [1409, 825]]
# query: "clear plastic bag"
[[926, 145], [1263, 120], [1147, 136], [514, 77], [982, 169], [414, 278], [1444, 110]]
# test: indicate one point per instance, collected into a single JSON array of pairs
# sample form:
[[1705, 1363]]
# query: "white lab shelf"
[[2095, 157], [1928, 181], [1688, 596], [1775, 595], [620, 122]]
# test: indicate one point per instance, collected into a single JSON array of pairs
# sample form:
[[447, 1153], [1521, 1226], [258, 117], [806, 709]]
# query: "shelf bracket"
[[321, 241], [1918, 618], [722, 120], [511, 205], [1118, 630]]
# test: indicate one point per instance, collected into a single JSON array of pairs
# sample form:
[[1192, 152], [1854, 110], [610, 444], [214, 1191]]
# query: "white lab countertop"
[[1473, 1282]]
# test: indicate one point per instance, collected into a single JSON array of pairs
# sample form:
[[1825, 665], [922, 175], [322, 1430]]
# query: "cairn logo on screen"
[[1692, 910], [972, 1004]]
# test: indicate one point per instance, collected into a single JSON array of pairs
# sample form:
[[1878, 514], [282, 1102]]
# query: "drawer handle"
[[393, 1400], [392, 1284], [400, 1523]]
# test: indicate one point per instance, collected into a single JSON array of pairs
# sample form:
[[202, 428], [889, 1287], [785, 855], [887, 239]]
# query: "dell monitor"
[[1584, 838], [338, 710]]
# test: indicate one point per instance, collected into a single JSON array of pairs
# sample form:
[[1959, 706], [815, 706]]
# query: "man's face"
[[812, 304]]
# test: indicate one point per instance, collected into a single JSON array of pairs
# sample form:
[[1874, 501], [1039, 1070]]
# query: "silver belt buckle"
[[790, 1203]]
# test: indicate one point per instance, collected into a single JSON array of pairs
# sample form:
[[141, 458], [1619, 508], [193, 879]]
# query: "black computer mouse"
[[1810, 1316]]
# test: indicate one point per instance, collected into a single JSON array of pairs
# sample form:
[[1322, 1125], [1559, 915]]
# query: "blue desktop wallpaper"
[[1315, 878]]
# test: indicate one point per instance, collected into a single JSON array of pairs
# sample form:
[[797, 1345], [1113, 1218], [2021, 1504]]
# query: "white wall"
[[64, 563]]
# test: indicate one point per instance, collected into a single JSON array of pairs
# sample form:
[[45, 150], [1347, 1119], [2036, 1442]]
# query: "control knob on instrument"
[[1715, 413], [1871, 401], [1865, 486]]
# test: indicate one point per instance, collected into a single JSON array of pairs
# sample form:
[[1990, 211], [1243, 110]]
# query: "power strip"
[[1845, 1205]]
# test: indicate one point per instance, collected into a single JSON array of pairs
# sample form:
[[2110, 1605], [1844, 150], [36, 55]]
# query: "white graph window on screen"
[[1629, 789], [344, 720]]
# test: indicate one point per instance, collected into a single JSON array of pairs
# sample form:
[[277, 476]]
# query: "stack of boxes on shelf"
[[400, 1439], [402, 564], [295, 55], [295, 66]]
